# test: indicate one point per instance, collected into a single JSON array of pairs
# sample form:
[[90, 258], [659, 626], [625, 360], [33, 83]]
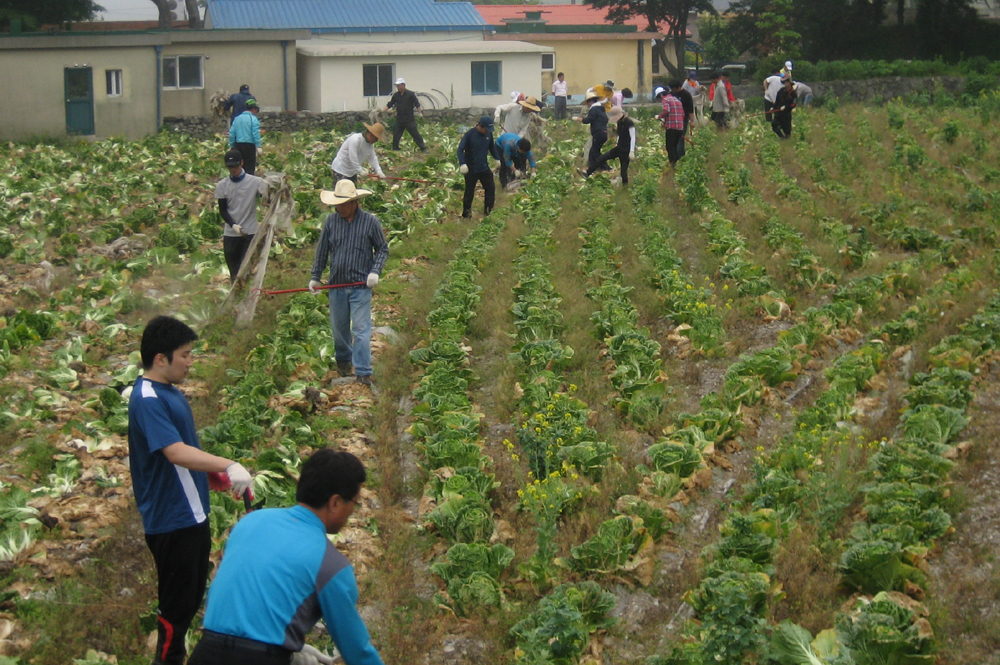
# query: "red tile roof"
[[554, 15]]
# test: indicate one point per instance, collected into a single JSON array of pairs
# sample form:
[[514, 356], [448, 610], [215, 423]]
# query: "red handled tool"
[[328, 286]]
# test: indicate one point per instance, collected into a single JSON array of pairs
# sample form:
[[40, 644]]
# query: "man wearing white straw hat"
[[353, 244], [357, 149], [516, 120]]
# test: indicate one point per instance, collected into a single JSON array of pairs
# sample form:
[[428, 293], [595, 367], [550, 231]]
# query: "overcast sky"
[[132, 10]]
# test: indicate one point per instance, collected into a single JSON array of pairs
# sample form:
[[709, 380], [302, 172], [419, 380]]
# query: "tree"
[[167, 7], [947, 28], [34, 14], [674, 13]]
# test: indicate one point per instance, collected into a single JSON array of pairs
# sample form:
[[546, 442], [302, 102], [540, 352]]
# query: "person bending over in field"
[[281, 574]]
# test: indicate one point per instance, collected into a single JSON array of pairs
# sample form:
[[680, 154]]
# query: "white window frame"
[[552, 65], [175, 84], [113, 82]]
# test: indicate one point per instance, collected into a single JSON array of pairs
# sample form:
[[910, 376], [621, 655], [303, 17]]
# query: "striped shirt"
[[673, 113], [353, 249]]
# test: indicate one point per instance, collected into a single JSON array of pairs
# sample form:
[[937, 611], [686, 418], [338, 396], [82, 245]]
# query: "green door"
[[79, 100]]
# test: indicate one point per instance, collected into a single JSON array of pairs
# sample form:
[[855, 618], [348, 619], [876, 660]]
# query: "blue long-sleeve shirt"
[[279, 575], [351, 249], [245, 129], [474, 149], [237, 102], [507, 144]]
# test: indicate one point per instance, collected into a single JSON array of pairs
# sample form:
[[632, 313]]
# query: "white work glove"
[[372, 281], [380, 175], [260, 151], [238, 228], [518, 174], [313, 285], [463, 169], [631, 155], [310, 656], [239, 478]]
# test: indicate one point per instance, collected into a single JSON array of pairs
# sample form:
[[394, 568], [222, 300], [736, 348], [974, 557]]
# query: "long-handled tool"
[[248, 500], [327, 286], [385, 177], [747, 117]]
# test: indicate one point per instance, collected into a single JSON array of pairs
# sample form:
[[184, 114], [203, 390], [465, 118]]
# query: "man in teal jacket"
[[244, 135], [280, 575], [516, 157]]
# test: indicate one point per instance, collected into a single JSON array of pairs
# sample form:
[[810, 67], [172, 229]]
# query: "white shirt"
[[560, 88], [617, 98], [690, 87], [773, 84], [353, 153], [515, 122]]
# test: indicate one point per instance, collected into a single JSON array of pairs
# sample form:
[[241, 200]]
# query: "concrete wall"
[[587, 63], [227, 66], [33, 100], [309, 75], [341, 85]]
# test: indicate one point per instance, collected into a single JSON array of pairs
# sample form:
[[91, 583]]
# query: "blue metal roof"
[[346, 15]]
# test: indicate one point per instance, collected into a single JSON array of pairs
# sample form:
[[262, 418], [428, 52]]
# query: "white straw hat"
[[343, 192]]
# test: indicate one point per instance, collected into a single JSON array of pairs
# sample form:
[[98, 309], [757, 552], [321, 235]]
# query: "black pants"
[[621, 154], [768, 105], [519, 162], [599, 139], [337, 177], [181, 559], [675, 144], [235, 248], [249, 152], [219, 649], [782, 124], [560, 108], [408, 126], [489, 188]]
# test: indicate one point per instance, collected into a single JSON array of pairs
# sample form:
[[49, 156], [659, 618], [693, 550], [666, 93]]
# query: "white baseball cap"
[[400, 81], [788, 64]]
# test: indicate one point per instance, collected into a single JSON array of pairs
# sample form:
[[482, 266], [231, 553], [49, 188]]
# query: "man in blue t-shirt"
[[280, 574], [170, 479]]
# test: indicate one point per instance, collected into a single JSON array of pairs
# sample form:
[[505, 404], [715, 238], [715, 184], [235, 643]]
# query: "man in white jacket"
[[516, 121], [357, 149]]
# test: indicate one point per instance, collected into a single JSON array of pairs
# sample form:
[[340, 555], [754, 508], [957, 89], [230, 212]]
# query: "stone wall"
[[869, 89], [203, 127]]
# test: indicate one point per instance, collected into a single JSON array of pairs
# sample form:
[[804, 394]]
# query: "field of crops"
[[742, 412]]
